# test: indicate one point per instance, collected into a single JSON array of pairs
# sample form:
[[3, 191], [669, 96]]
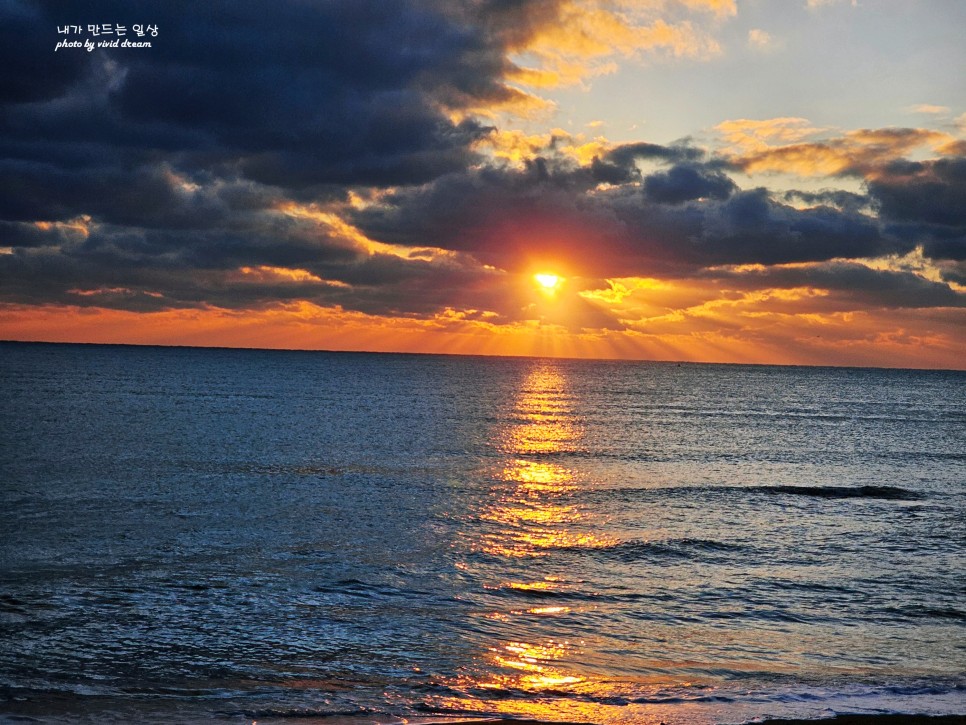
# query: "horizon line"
[[477, 355]]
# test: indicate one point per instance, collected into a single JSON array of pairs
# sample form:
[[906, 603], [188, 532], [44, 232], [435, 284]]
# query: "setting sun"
[[547, 281]]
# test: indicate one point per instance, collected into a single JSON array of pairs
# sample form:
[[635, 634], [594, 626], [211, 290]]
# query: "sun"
[[547, 281]]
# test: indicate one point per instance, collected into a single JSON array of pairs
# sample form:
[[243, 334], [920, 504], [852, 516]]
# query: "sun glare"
[[548, 281]]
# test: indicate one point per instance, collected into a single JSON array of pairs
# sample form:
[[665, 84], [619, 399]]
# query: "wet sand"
[[877, 720]]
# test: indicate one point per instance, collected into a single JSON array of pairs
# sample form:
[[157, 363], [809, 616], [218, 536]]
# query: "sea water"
[[200, 534]]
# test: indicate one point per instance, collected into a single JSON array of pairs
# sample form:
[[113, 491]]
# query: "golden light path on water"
[[547, 677], [532, 509], [533, 520]]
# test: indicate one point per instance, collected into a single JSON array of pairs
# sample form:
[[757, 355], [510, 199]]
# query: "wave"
[[367, 590], [791, 692], [892, 493], [638, 549], [922, 612], [295, 713], [684, 694]]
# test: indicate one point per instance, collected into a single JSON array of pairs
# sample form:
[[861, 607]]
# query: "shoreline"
[[51, 710], [874, 719], [840, 719]]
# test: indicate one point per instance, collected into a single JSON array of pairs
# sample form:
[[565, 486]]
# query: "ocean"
[[241, 535]]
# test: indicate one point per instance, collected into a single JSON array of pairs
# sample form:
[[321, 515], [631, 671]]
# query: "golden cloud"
[[516, 147], [584, 37], [860, 152], [754, 135]]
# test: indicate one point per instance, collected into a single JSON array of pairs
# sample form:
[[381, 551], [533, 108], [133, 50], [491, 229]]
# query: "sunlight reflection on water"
[[533, 516], [532, 507]]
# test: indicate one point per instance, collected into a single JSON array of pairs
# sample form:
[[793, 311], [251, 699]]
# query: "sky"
[[748, 181]]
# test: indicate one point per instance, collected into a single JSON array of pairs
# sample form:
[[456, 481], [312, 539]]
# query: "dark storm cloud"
[[49, 260], [627, 154], [684, 183], [253, 239], [955, 271], [953, 248], [291, 94], [146, 196], [852, 286], [932, 193], [31, 71], [751, 227], [837, 198], [673, 221], [175, 156], [26, 235], [619, 165], [925, 202], [928, 192], [502, 216]]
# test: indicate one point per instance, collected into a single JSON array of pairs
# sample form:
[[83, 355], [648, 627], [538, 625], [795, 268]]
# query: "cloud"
[[721, 8], [685, 183], [761, 40], [32, 73], [308, 98], [853, 286], [862, 152], [688, 217], [845, 200], [302, 96], [754, 135], [927, 192], [926, 202], [572, 40], [816, 4], [618, 164], [929, 109]]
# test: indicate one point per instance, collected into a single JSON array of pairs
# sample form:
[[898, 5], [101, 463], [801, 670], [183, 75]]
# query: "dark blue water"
[[240, 535]]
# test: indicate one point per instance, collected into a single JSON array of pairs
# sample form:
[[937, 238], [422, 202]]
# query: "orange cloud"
[[753, 135], [776, 146], [517, 147], [721, 8], [582, 38]]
